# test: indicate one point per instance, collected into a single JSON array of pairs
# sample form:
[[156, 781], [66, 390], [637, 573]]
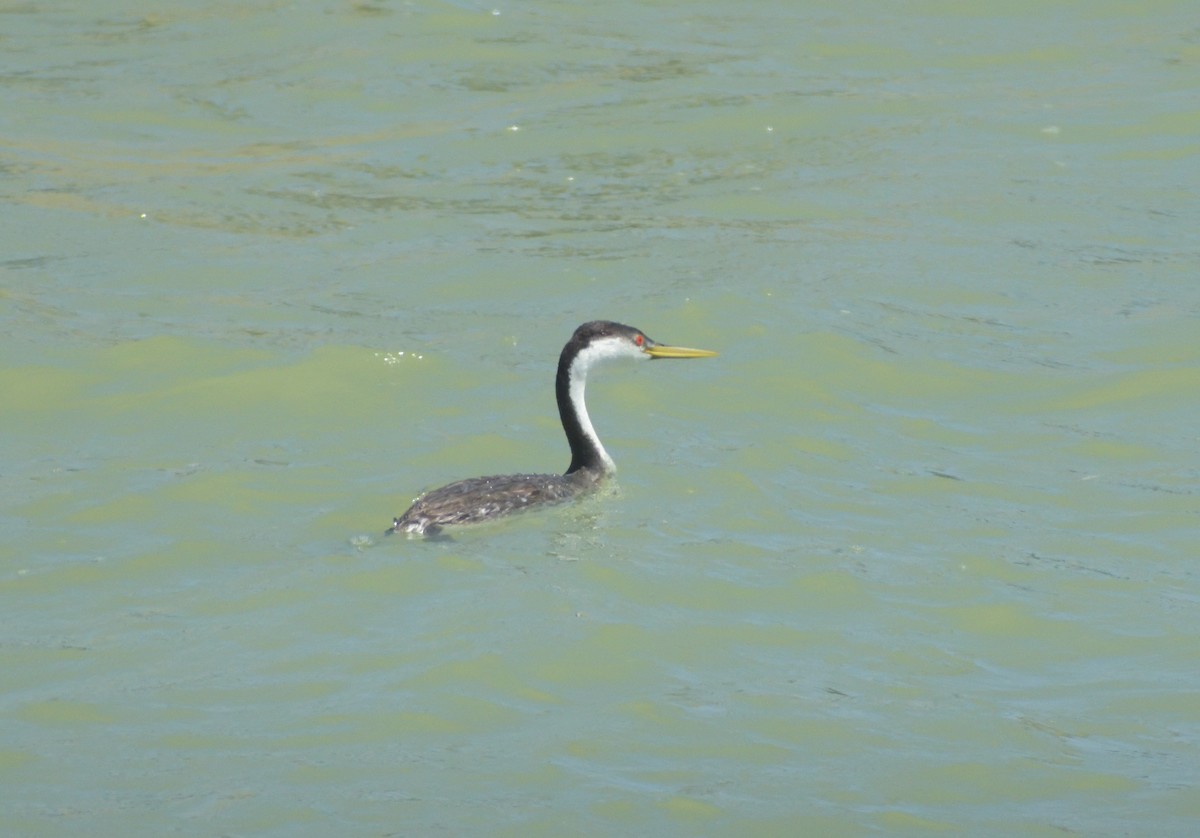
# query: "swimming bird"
[[486, 498]]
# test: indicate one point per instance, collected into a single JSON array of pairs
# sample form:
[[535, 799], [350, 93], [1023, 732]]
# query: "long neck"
[[586, 450]]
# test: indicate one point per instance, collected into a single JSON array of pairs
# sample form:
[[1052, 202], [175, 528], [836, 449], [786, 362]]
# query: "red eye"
[[639, 340]]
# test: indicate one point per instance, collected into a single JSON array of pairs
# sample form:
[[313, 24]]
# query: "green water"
[[917, 553]]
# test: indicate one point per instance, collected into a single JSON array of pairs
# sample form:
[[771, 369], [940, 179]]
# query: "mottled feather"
[[485, 498]]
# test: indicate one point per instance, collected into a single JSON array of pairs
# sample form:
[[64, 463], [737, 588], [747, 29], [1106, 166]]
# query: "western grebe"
[[484, 498]]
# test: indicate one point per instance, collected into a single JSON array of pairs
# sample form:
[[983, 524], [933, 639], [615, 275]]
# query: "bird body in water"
[[485, 498]]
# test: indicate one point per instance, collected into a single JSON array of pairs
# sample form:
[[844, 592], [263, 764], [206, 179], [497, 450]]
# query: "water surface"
[[916, 553]]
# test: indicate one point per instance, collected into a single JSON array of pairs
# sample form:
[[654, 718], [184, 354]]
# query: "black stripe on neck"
[[584, 453]]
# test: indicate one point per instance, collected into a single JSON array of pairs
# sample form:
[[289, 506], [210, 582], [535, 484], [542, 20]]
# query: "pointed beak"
[[657, 350]]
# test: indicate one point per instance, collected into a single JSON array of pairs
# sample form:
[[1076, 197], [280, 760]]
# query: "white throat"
[[596, 353]]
